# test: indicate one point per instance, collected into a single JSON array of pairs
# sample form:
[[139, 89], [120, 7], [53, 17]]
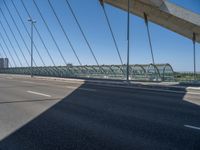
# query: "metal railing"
[[150, 72]]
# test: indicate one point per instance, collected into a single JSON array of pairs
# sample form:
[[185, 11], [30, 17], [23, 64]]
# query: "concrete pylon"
[[164, 13]]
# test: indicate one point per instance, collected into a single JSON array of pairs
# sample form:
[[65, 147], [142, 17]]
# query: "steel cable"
[[14, 39], [27, 33], [50, 32], [10, 42], [112, 33], [83, 34], [6, 54], [13, 60], [66, 36], [149, 37], [17, 31], [39, 35]]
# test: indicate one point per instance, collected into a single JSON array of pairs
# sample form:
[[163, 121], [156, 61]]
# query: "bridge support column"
[[194, 54], [128, 41]]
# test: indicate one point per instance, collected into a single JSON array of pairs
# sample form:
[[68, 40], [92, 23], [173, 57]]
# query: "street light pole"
[[32, 24]]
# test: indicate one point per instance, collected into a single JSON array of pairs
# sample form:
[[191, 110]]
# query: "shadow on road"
[[111, 118]]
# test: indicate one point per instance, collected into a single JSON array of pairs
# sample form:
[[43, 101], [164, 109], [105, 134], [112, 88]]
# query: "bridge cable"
[[43, 43], [10, 43], [14, 39], [150, 44], [83, 34], [6, 54], [17, 31], [39, 35], [14, 34], [50, 32], [26, 31], [52, 8], [66, 36], [149, 37], [57, 68], [28, 34], [9, 64], [1, 55], [12, 58], [112, 33]]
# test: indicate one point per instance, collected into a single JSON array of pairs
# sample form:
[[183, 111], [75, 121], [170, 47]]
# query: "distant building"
[[4, 63], [69, 65]]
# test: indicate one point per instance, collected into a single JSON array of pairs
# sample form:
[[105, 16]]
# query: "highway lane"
[[77, 115], [18, 106]]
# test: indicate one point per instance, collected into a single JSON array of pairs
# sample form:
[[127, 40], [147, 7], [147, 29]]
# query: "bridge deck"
[[51, 114]]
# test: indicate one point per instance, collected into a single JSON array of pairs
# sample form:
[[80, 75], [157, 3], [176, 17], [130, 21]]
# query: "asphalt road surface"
[[54, 115]]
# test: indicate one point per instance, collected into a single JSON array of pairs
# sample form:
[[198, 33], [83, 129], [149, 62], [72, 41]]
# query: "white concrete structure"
[[164, 13]]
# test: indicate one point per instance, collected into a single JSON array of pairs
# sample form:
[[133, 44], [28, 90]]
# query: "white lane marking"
[[28, 82], [193, 88], [70, 87], [86, 89], [192, 127], [193, 93], [8, 77], [37, 93]]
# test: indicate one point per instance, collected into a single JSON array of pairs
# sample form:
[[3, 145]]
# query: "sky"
[[168, 46]]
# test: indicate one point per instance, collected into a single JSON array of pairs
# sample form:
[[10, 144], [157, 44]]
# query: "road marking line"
[[37, 93], [70, 87], [86, 89], [192, 127], [8, 77], [193, 93], [193, 88], [28, 82]]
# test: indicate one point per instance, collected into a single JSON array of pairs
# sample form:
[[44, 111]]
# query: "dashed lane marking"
[[37, 93], [192, 127]]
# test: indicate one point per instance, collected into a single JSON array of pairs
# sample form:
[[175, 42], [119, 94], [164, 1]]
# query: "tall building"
[[4, 63]]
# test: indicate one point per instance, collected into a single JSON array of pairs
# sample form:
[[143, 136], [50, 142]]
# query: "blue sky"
[[168, 47]]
